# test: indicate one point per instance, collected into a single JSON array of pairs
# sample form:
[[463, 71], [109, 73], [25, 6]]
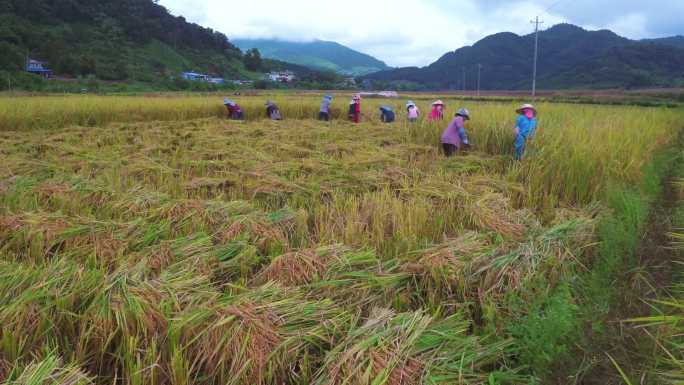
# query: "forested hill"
[[318, 54], [113, 40], [569, 57]]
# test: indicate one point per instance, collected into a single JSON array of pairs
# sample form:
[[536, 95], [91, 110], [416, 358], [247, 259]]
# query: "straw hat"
[[410, 104], [526, 107], [228, 102], [438, 103], [464, 113]]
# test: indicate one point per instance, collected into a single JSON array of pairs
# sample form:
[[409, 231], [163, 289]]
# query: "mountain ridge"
[[565, 53], [316, 54]]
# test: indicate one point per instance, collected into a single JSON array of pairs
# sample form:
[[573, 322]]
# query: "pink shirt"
[[413, 112]]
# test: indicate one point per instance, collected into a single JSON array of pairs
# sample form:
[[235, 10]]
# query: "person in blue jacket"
[[387, 114], [525, 127]]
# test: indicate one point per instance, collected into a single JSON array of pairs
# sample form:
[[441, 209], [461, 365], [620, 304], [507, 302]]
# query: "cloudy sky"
[[417, 32]]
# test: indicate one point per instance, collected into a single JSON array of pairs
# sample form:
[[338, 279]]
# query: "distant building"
[[242, 82], [381, 94], [281, 77], [196, 77], [350, 81], [38, 67]]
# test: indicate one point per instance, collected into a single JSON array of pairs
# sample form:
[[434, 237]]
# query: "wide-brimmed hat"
[[328, 97], [464, 113], [526, 107], [228, 102], [438, 103], [410, 104], [269, 103]]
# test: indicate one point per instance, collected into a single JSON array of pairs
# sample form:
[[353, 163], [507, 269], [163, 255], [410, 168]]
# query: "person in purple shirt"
[[455, 137]]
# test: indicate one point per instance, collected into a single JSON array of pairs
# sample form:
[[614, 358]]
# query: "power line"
[[554, 5], [536, 23]]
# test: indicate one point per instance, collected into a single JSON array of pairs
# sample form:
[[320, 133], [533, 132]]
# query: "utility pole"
[[536, 23], [479, 73], [464, 79]]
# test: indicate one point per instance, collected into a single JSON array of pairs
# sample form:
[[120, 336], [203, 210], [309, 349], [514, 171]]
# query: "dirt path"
[[626, 343]]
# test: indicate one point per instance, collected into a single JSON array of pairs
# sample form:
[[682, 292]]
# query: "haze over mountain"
[[570, 57], [318, 54]]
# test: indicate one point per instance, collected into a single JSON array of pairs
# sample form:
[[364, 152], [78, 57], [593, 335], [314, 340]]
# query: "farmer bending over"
[[437, 112], [234, 110], [386, 114], [272, 111], [454, 137], [525, 127], [412, 111]]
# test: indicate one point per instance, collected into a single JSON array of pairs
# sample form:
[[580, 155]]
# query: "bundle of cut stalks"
[[267, 335], [49, 371], [410, 349]]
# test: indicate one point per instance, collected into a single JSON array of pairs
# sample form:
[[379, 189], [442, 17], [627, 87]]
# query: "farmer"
[[324, 113], [437, 112], [234, 110], [412, 111], [386, 114], [272, 111], [355, 109], [525, 127], [454, 137]]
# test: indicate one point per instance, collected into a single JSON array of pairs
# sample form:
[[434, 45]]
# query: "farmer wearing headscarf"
[[272, 111], [412, 111], [355, 109], [455, 137], [234, 110], [324, 113], [525, 127], [437, 112]]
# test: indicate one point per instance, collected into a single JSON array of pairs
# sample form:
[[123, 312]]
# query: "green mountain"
[[119, 40], [674, 41], [322, 55], [569, 57]]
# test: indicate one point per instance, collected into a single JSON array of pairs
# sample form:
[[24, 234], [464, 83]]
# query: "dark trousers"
[[449, 149], [324, 116]]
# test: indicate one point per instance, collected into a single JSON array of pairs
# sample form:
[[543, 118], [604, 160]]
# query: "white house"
[[281, 77]]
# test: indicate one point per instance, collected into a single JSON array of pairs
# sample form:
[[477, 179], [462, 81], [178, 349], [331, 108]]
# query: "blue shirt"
[[526, 126]]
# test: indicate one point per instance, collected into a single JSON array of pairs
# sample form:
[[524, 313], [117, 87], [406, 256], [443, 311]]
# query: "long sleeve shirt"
[[455, 134]]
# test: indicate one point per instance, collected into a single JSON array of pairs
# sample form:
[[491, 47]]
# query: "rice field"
[[152, 241]]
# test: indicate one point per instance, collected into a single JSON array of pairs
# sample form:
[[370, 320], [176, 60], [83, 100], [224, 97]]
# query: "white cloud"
[[411, 32]]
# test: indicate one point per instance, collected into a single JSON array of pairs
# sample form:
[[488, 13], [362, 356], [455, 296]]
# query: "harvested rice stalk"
[[51, 371], [265, 336], [443, 274], [493, 212], [309, 265], [408, 349]]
